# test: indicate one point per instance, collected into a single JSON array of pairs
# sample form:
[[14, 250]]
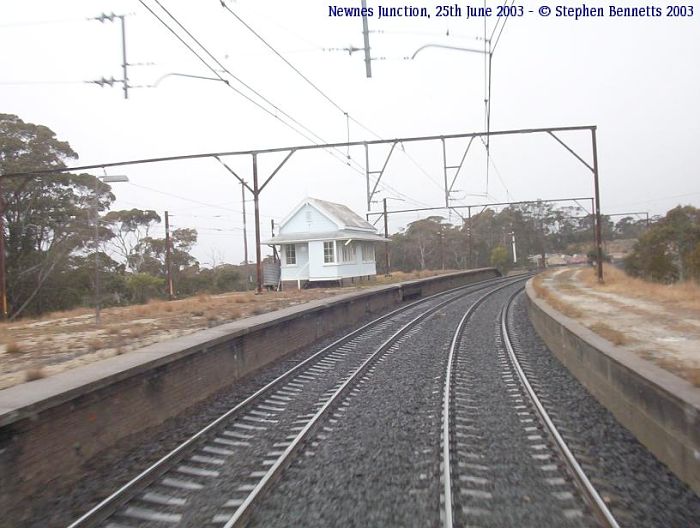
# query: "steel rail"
[[448, 513], [121, 496], [592, 496], [242, 514]]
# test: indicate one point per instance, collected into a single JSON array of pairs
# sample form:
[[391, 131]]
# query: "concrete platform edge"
[[659, 408]]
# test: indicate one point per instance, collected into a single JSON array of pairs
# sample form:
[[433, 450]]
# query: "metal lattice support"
[[257, 189]]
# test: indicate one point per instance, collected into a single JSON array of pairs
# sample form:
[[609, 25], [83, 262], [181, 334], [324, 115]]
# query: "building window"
[[329, 252], [347, 252], [290, 252], [368, 252]]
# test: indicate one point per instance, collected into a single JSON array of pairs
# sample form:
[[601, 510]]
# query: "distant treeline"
[[58, 229]]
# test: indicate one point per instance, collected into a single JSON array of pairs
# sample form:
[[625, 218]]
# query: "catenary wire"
[[203, 204], [340, 157], [218, 75], [313, 85]]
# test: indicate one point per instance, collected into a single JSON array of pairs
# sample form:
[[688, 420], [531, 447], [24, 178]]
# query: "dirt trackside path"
[[657, 322], [36, 348]]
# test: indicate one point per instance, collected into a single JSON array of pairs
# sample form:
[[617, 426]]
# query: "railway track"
[[504, 461], [217, 476]]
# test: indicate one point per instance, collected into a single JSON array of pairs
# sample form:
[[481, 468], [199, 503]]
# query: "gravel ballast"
[[59, 506], [376, 459], [641, 491], [378, 462]]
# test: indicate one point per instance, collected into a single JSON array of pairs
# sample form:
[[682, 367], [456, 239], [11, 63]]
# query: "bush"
[[143, 287], [670, 250], [500, 259]]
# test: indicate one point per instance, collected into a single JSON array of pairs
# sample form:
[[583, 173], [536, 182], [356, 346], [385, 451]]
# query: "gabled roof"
[[342, 234], [340, 214]]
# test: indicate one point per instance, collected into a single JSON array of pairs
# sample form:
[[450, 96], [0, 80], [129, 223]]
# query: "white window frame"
[[333, 252], [287, 247]]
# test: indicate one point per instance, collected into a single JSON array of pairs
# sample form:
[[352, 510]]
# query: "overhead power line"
[[42, 22], [503, 25], [271, 48], [216, 72], [316, 139], [309, 134], [192, 200], [318, 90], [246, 85], [28, 83]]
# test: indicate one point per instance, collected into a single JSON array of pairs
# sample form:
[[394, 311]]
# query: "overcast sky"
[[637, 79]]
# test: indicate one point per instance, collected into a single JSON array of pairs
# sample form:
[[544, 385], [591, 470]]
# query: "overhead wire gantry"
[[258, 186]]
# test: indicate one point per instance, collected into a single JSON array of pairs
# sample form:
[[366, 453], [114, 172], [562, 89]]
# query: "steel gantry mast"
[[257, 188]]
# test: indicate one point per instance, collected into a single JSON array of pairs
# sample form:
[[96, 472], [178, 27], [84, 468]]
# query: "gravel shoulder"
[[647, 325]]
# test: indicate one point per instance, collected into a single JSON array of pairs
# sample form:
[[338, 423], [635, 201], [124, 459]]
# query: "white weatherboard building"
[[324, 241]]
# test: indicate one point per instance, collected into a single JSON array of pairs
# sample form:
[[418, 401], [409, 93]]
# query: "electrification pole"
[[245, 232], [275, 255], [168, 257], [124, 63], [97, 257], [256, 201], [598, 230], [469, 234], [387, 273], [105, 179], [365, 33], [125, 76], [442, 249]]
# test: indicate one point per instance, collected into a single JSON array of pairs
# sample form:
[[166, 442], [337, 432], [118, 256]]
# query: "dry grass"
[[34, 374], [245, 298], [13, 348], [693, 376], [140, 310], [233, 313], [94, 344], [685, 295], [616, 337], [555, 302], [666, 310], [137, 332]]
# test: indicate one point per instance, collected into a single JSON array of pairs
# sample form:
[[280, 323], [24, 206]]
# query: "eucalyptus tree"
[[47, 218]]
